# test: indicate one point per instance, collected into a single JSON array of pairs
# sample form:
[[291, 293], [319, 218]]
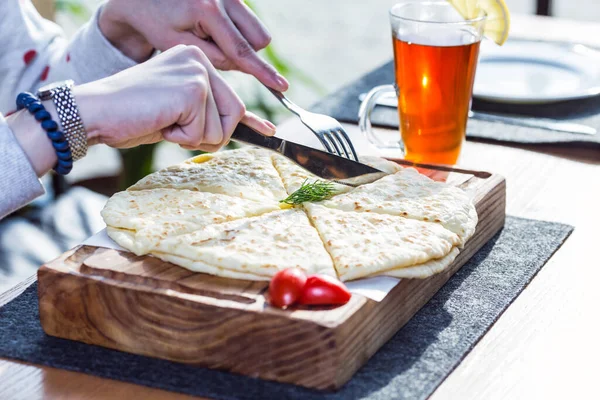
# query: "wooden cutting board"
[[146, 306]]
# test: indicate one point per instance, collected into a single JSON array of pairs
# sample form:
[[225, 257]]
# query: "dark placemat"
[[343, 105], [410, 366]]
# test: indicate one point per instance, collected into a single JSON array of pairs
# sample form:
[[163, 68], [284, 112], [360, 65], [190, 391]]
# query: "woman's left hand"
[[227, 31]]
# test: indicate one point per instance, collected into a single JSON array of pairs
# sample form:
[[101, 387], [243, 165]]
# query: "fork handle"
[[285, 101]]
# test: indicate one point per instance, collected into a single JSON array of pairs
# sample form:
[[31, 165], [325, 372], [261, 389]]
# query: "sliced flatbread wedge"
[[381, 164], [426, 269], [293, 176], [148, 216], [365, 244], [252, 248], [412, 195], [247, 173]]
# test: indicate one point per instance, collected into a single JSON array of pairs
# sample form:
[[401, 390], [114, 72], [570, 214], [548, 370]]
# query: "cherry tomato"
[[324, 290], [286, 287]]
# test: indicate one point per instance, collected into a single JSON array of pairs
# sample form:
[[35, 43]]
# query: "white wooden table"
[[546, 345]]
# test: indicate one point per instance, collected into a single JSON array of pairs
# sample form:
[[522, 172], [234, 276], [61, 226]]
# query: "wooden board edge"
[[73, 307], [69, 263]]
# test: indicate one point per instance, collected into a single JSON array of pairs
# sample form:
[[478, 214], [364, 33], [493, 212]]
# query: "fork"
[[328, 130]]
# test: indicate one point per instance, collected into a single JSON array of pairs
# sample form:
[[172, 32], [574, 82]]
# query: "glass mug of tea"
[[435, 57]]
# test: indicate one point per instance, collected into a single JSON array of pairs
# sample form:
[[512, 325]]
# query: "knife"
[[546, 124], [325, 165], [329, 166]]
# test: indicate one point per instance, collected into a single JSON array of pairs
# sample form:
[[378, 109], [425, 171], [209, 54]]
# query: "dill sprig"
[[316, 191]]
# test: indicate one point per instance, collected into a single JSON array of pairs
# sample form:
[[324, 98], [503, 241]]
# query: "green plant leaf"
[[73, 7], [310, 192]]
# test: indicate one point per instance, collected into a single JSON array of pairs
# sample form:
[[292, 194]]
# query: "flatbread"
[[247, 173], [425, 270], [364, 244], [256, 247], [200, 266], [220, 214], [412, 195], [150, 216], [293, 176], [381, 164]]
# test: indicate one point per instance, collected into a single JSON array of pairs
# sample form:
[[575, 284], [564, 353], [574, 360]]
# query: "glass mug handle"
[[364, 117]]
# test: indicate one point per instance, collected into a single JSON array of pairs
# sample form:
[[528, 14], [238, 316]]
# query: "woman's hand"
[[227, 31], [177, 96]]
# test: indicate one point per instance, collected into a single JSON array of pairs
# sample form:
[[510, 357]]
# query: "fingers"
[[248, 23], [258, 124], [235, 46], [253, 121], [210, 108], [232, 110], [213, 133], [192, 124], [230, 106], [205, 147], [212, 51], [203, 129]]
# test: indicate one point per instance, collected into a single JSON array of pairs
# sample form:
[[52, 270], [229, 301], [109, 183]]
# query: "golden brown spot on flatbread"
[[196, 243]]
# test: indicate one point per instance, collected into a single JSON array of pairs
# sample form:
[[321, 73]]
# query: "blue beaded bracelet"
[[57, 138]]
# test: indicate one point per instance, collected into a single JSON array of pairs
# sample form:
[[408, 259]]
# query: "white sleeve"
[[19, 184], [35, 52]]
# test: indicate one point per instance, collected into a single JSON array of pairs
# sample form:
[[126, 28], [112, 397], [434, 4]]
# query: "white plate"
[[536, 72]]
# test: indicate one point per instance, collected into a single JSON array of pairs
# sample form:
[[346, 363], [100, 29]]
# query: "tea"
[[435, 85]]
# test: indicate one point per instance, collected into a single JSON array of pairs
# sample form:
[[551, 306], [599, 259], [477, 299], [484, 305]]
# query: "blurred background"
[[319, 45]]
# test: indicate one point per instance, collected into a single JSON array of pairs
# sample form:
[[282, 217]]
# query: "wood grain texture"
[[21, 381], [146, 306]]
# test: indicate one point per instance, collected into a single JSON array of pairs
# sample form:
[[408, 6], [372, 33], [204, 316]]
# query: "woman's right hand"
[[177, 96]]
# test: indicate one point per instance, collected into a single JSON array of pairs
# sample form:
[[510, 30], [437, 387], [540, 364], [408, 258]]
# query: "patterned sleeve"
[[35, 52], [19, 184]]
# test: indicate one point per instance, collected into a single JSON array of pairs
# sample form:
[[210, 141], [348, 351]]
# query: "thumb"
[[258, 124]]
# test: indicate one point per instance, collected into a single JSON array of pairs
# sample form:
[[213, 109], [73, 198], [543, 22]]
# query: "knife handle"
[[561, 126], [557, 126], [435, 167]]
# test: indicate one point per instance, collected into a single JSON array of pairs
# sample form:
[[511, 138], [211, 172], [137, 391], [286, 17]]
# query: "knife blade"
[[324, 165], [558, 126]]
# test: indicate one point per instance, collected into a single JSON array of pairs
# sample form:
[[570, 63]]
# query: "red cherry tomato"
[[324, 290], [286, 287]]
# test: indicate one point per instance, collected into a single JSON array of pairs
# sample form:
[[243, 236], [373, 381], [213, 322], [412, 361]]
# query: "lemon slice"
[[497, 23]]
